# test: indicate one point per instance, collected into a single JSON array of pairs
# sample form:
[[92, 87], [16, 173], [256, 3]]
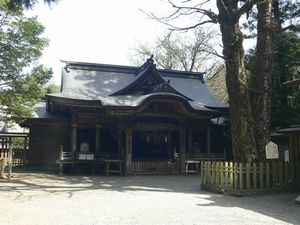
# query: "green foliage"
[[21, 77], [52, 88], [286, 61], [286, 100], [16, 5]]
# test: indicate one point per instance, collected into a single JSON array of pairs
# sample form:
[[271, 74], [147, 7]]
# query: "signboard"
[[84, 147], [86, 156], [271, 151]]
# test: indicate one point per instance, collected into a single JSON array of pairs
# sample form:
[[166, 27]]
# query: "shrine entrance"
[[154, 151], [155, 145]]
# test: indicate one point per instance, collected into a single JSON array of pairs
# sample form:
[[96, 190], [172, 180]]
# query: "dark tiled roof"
[[290, 129], [90, 82]]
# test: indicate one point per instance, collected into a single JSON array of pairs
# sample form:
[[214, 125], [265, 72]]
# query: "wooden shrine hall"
[[131, 120]]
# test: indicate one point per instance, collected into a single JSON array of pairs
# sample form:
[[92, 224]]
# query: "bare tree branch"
[[198, 8], [214, 52], [208, 16]]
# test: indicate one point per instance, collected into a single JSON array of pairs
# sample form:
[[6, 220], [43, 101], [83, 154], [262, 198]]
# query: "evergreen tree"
[[22, 79], [286, 101], [16, 5]]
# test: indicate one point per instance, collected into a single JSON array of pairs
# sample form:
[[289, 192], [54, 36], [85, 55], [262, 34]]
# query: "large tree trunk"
[[261, 83], [279, 94], [242, 130]]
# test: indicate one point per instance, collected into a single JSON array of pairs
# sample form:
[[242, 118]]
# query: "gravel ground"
[[46, 199]]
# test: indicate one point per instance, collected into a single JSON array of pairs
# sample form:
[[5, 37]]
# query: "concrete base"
[[297, 200]]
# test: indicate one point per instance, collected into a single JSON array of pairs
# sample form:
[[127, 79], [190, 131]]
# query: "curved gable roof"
[[147, 81], [122, 86], [146, 75]]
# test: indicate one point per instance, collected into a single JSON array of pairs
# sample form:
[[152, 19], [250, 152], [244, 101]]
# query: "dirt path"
[[37, 198]]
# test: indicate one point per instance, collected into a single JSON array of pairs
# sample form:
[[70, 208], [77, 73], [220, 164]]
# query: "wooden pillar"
[[9, 143], [128, 151], [119, 136], [25, 153], [208, 144], [169, 146], [291, 148], [297, 148], [97, 144], [182, 149], [189, 150], [74, 138]]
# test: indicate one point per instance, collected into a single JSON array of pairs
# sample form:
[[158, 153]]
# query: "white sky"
[[95, 31]]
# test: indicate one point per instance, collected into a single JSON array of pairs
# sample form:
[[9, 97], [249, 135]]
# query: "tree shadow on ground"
[[31, 185], [279, 206], [70, 184]]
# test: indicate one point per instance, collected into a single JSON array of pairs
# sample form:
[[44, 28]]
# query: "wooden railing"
[[19, 144], [19, 155], [113, 162], [154, 167], [6, 161], [205, 156], [250, 178]]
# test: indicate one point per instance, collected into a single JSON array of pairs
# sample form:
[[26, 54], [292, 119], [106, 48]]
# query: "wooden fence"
[[153, 167], [6, 161], [19, 144], [250, 178]]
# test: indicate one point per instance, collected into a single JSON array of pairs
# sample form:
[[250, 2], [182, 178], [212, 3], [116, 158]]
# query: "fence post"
[[2, 166], [268, 175], [231, 176], [261, 176], [201, 173], [10, 153], [205, 173], [241, 177], [222, 174], [248, 176], [208, 172], [235, 175], [254, 176], [213, 173], [274, 174], [226, 176], [280, 167], [218, 174]]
